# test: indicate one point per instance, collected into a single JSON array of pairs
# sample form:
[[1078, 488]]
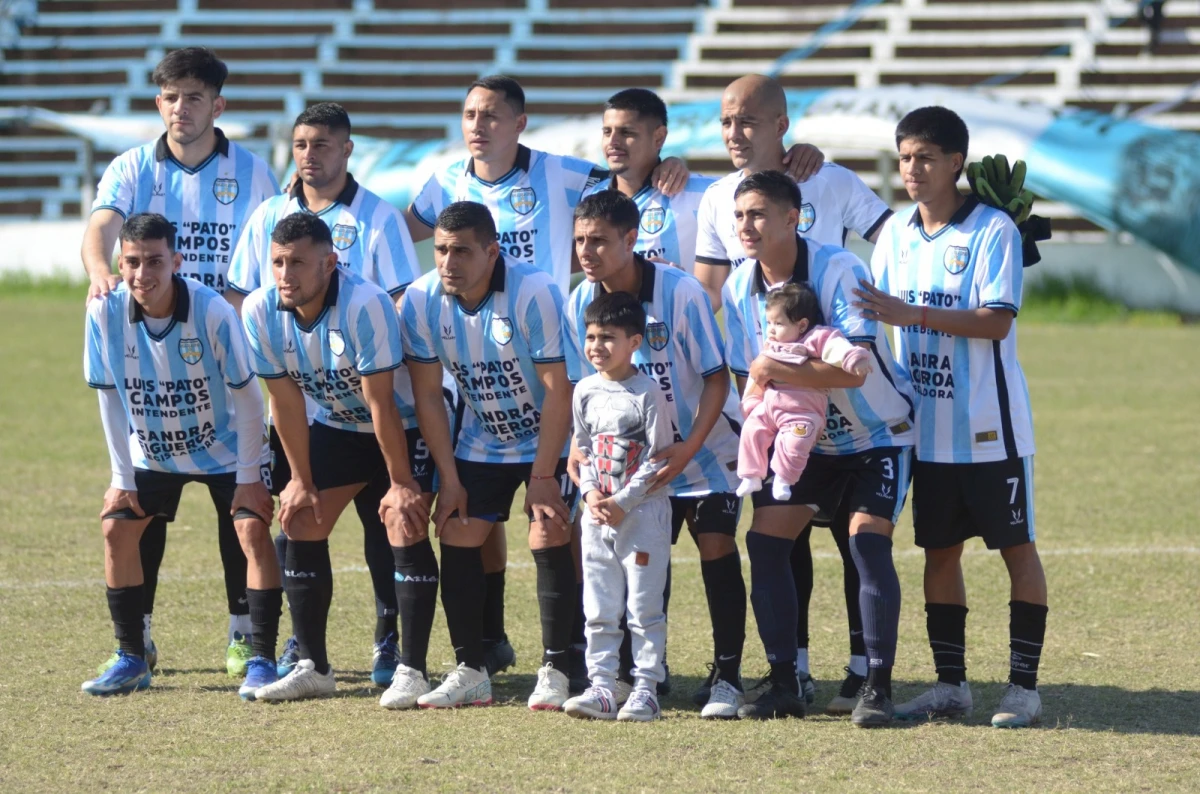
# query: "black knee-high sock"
[[493, 608], [879, 602], [125, 604], [773, 595], [265, 608], [416, 585], [233, 561], [802, 577], [850, 584], [1026, 633], [947, 627], [463, 591], [377, 551], [308, 579], [725, 590], [557, 595], [151, 549]]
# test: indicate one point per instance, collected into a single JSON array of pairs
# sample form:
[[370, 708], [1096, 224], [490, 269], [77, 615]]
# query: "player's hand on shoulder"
[[116, 500], [803, 160], [102, 285], [451, 505], [297, 497], [403, 507], [670, 176], [256, 498]]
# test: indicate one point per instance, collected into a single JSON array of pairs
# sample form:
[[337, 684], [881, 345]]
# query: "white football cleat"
[[1019, 708], [552, 690], [303, 682], [464, 686], [724, 700], [407, 685]]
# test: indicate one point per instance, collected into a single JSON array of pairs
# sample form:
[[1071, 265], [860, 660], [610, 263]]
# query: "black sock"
[[579, 628], [802, 575], [125, 604], [784, 674], [233, 563], [416, 585], [850, 584], [879, 597], [151, 549], [308, 579], [377, 552], [463, 590], [1026, 633], [725, 590], [947, 627], [557, 594], [493, 608], [773, 595], [265, 608], [880, 678]]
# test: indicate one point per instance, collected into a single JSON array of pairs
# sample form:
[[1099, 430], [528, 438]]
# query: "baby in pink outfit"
[[790, 417]]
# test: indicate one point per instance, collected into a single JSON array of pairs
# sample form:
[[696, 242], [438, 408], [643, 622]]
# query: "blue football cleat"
[[287, 659], [128, 674], [385, 661], [260, 671]]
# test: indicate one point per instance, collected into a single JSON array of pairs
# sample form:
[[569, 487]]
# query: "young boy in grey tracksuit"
[[620, 423]]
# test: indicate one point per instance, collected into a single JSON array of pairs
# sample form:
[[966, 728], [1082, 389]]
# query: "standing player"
[[206, 186], [495, 324], [682, 352], [370, 239], [179, 404], [948, 278], [753, 123], [322, 331], [865, 462]]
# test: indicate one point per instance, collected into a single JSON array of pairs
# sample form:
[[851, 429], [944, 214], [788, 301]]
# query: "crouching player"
[[621, 422], [170, 361]]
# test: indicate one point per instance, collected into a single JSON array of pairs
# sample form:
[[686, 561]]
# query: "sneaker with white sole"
[[407, 685], [303, 682], [464, 686], [1019, 708], [642, 706], [552, 690], [596, 703], [942, 701], [724, 700]]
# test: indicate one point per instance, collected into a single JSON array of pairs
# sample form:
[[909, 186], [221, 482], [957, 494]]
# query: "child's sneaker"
[[597, 703], [642, 706]]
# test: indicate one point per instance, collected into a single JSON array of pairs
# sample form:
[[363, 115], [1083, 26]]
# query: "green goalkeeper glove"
[[995, 184]]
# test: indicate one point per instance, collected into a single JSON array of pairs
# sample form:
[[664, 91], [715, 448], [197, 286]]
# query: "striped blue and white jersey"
[[174, 385], [972, 403], [880, 414], [533, 205], [833, 202], [669, 224], [369, 237], [208, 205], [491, 351], [356, 334], [682, 347]]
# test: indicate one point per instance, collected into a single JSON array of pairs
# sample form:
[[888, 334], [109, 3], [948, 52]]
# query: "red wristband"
[[925, 317], [543, 476]]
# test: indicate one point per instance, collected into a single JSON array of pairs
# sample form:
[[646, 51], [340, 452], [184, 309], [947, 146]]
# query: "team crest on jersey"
[[226, 190], [808, 216], [190, 350], [337, 343], [343, 236], [800, 431], [522, 199], [502, 330], [956, 259], [657, 335], [653, 219]]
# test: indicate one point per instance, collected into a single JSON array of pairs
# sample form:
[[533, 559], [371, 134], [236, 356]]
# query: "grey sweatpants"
[[625, 572]]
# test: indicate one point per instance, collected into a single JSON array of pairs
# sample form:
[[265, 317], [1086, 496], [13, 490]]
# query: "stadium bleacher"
[[399, 66]]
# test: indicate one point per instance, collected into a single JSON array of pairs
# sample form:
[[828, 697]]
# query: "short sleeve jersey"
[[533, 205], [834, 202], [369, 237], [972, 403], [208, 205], [357, 333], [682, 347], [880, 414], [492, 352], [668, 225], [174, 385]]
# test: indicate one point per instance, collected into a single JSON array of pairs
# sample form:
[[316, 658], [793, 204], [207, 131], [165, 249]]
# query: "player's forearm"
[[417, 229], [248, 407], [712, 400], [970, 323], [99, 239], [554, 430], [116, 424], [809, 375], [389, 431], [291, 423]]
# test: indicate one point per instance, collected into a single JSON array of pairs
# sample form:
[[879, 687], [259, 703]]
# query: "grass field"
[[1117, 502]]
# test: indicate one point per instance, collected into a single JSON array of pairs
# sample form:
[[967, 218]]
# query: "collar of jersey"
[[524, 157], [647, 185], [345, 198], [331, 296], [649, 272], [799, 271], [957, 218], [499, 278], [163, 152], [183, 303]]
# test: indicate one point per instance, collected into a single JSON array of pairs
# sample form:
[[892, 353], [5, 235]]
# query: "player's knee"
[[943, 562], [119, 534], [1022, 559], [714, 546], [255, 536], [876, 525]]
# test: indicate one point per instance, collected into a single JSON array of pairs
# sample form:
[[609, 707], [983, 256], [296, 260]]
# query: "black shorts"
[[956, 501], [158, 495], [874, 482], [715, 513], [347, 457], [491, 487]]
